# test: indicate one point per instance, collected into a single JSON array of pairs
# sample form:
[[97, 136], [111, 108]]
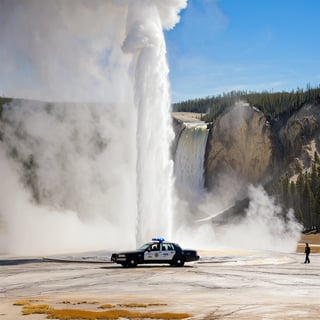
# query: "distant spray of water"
[[74, 171]]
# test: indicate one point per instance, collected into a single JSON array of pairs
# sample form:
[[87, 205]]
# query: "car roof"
[[163, 242], [151, 242]]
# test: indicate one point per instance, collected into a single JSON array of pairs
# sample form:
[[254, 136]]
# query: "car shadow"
[[15, 262], [150, 266]]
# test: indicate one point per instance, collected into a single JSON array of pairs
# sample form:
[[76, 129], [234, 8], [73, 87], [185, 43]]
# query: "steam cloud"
[[70, 169], [265, 225]]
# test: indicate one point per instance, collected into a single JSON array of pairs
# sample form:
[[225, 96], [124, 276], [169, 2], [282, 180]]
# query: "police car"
[[156, 251]]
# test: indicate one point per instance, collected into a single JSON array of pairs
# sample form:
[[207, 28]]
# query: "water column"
[[145, 40], [189, 159]]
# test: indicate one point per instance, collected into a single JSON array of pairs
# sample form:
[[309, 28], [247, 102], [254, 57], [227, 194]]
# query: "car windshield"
[[145, 246]]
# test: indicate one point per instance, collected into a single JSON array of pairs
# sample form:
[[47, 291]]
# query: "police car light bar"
[[158, 239]]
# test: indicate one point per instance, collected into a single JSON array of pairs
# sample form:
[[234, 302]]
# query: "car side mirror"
[[149, 249]]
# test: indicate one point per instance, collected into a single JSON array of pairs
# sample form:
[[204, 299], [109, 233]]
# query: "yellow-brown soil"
[[312, 239], [113, 312]]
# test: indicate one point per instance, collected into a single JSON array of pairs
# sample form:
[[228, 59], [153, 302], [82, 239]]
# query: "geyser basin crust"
[[243, 291]]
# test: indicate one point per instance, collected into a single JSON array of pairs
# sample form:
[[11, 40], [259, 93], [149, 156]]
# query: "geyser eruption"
[[79, 176], [154, 134]]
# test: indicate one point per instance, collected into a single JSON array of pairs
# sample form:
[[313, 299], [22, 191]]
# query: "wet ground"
[[223, 285]]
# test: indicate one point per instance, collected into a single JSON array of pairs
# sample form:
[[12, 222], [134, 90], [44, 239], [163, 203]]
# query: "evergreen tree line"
[[302, 195], [275, 105], [2, 102]]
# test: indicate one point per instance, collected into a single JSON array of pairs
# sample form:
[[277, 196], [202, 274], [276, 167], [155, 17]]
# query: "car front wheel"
[[132, 262], [178, 261]]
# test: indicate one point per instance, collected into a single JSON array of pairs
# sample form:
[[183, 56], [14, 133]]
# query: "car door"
[[152, 253], [167, 252]]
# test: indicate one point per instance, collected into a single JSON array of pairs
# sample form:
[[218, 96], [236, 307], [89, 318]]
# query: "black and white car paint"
[[157, 251]]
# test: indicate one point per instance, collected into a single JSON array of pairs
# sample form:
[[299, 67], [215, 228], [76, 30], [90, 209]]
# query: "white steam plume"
[[264, 227], [62, 50], [79, 160], [70, 169]]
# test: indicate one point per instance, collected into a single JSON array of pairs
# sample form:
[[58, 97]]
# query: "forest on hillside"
[[301, 194], [275, 105], [2, 102]]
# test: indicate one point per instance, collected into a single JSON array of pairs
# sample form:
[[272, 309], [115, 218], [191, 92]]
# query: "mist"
[[71, 163], [68, 167], [264, 225], [60, 50]]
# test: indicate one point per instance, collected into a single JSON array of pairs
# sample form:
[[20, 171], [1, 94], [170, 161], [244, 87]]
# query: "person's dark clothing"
[[307, 252]]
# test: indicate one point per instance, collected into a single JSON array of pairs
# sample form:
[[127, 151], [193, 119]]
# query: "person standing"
[[307, 252]]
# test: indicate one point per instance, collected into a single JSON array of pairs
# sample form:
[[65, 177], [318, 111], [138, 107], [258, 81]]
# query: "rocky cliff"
[[239, 145], [243, 145], [299, 138]]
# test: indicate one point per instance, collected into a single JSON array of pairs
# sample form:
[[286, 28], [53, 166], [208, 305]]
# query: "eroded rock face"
[[244, 147], [300, 136], [239, 145]]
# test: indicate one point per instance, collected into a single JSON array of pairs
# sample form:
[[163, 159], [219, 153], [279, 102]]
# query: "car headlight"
[[121, 255]]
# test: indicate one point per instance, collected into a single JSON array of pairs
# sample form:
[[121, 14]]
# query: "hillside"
[[3, 101], [274, 105], [265, 138]]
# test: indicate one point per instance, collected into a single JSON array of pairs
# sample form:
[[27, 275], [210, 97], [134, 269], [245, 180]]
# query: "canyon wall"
[[240, 146]]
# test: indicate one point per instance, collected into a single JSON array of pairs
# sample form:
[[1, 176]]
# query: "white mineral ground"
[[225, 284], [187, 116]]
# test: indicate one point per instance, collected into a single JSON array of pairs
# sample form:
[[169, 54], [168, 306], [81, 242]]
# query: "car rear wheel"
[[132, 262], [178, 261]]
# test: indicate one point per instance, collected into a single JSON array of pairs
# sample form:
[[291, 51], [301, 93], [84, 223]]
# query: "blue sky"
[[256, 45]]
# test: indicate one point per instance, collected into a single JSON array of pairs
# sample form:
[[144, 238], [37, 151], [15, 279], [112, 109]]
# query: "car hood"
[[189, 251], [129, 252]]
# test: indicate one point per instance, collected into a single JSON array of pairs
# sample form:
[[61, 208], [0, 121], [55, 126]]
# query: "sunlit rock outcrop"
[[239, 145], [300, 136]]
